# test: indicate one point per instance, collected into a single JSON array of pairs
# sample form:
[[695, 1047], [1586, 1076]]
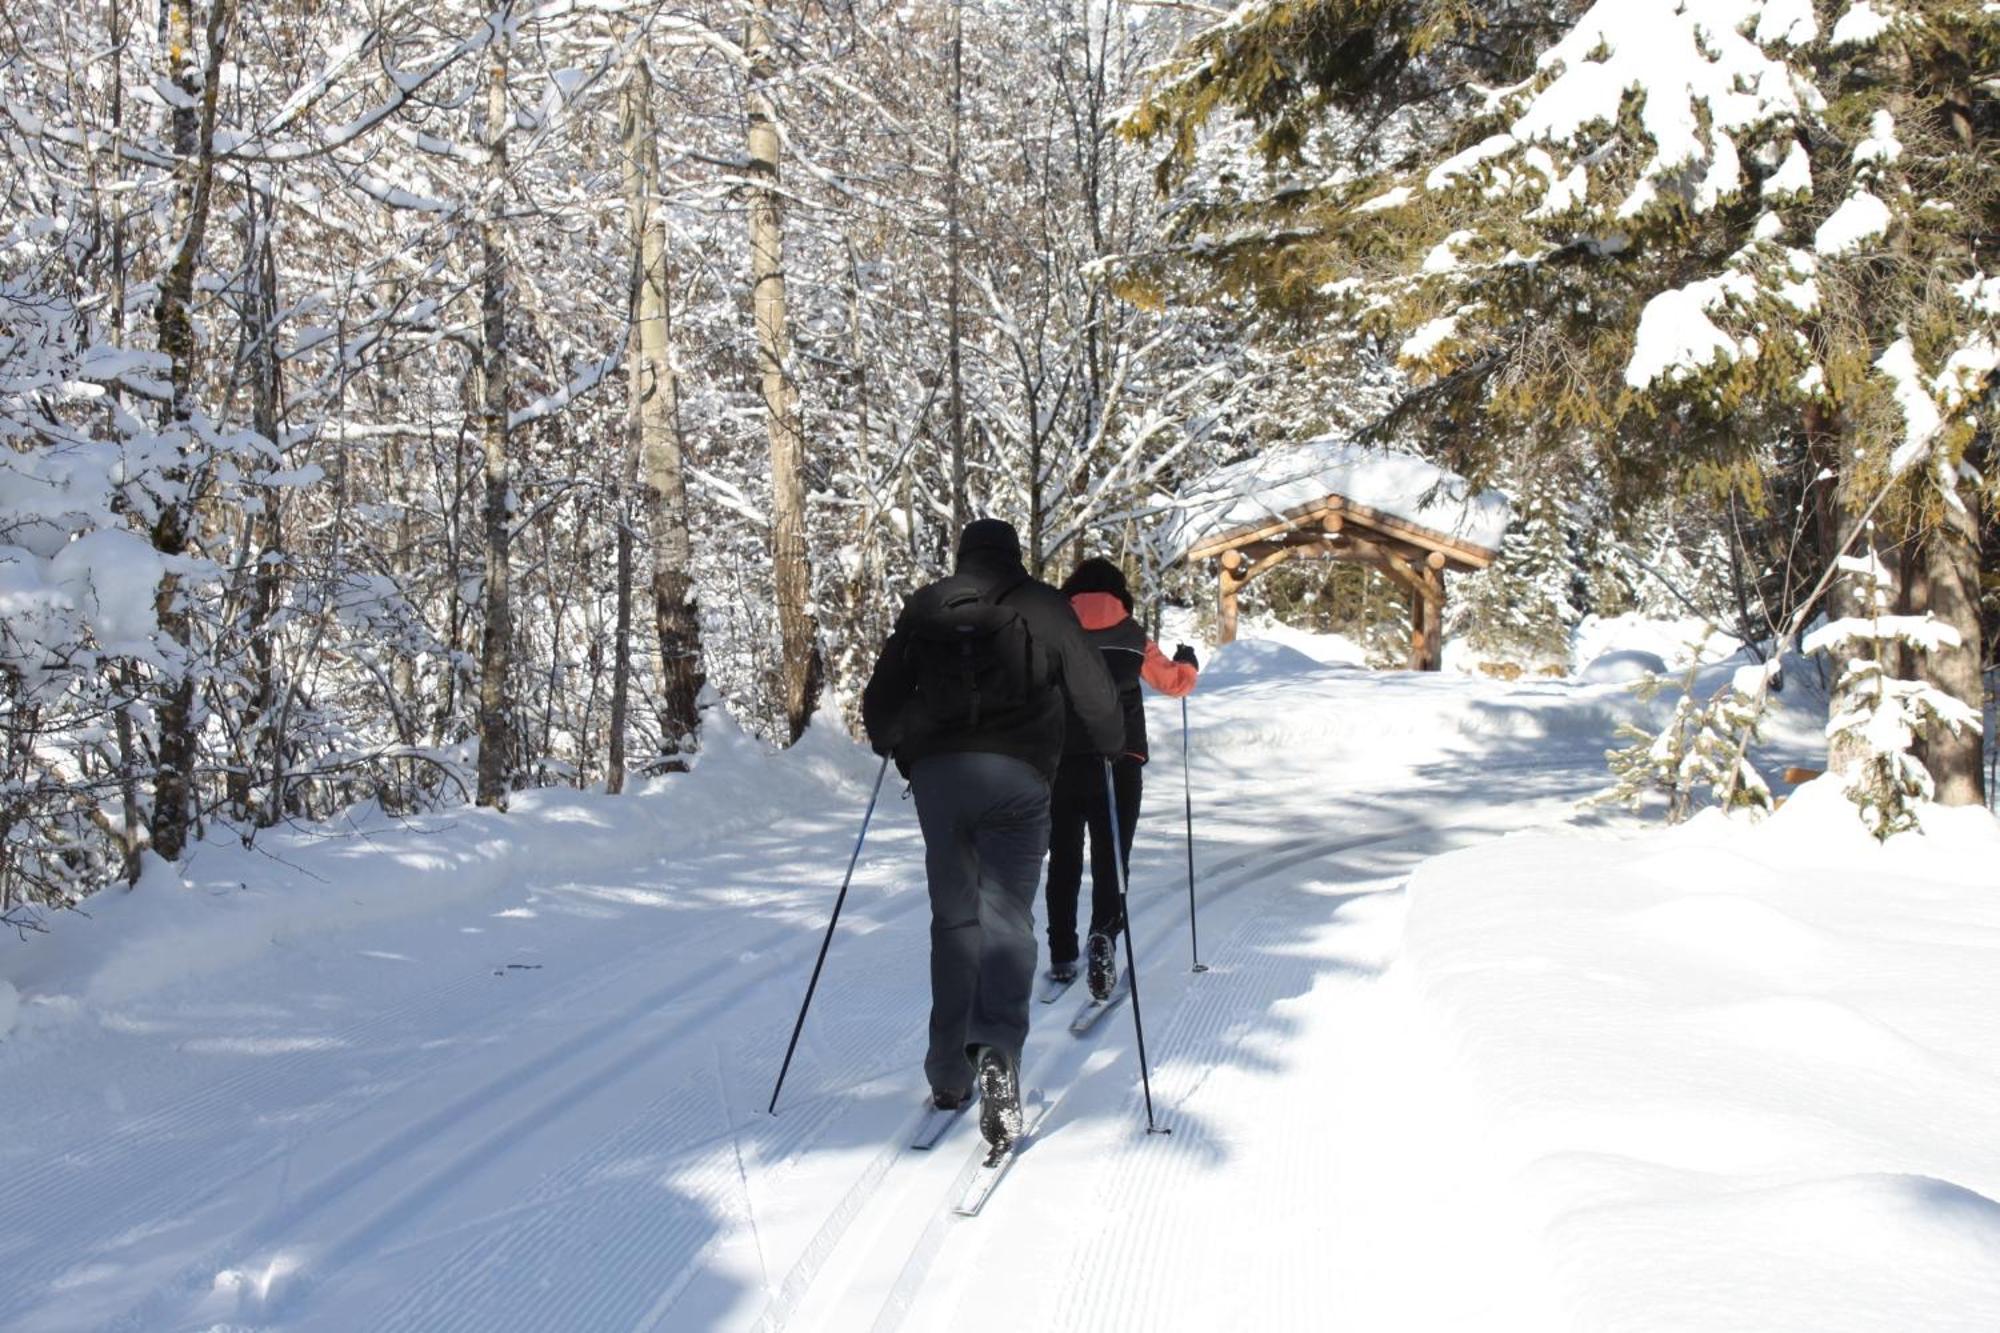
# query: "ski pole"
[[813, 985], [1131, 961], [1187, 796]]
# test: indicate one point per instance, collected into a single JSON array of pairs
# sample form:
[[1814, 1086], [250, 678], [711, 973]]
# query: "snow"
[[1881, 145], [1790, 22], [1702, 81], [1428, 338], [1793, 176], [1678, 643], [1395, 198], [1622, 666], [1676, 338], [1925, 632], [477, 1071], [1727, 1073], [1443, 257], [1861, 25], [113, 575], [1981, 294], [1860, 218], [1921, 419], [1267, 485]]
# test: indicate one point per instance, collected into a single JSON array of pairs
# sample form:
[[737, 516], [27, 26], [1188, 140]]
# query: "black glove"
[[1185, 653]]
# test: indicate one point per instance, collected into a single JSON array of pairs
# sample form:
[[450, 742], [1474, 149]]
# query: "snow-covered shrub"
[[1703, 748]]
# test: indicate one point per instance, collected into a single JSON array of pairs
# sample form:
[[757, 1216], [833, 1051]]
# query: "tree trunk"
[[496, 648], [801, 667], [194, 139], [1950, 558], [264, 541], [960, 502], [1841, 507], [655, 422]]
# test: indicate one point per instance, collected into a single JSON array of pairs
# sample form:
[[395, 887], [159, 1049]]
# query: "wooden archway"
[[1337, 528]]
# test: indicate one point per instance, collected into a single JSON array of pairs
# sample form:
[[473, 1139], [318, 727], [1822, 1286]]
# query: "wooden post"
[[1433, 613], [1227, 582]]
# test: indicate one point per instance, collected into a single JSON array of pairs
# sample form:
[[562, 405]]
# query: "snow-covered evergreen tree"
[[1880, 715], [1521, 609], [1678, 230]]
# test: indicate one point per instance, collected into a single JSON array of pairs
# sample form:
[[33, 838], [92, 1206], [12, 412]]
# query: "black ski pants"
[[1077, 804], [986, 826]]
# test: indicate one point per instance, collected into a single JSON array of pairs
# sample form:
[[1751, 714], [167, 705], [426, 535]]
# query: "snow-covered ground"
[[1464, 1057]]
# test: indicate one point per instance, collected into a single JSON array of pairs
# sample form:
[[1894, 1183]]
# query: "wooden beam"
[[1302, 516], [1277, 557], [1455, 549], [1404, 572]]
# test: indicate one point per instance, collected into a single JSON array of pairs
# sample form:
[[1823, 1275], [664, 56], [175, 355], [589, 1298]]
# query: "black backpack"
[[974, 660]]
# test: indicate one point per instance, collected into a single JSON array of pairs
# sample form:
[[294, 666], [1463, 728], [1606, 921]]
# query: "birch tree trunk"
[[194, 139], [954, 240], [800, 664], [655, 418], [496, 648]]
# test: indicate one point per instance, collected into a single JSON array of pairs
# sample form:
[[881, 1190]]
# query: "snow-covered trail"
[[542, 1106]]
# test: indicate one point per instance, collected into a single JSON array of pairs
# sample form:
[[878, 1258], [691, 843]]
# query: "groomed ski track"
[[424, 1127]]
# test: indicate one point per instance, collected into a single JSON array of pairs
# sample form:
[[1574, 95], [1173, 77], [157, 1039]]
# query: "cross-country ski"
[[1093, 1010], [936, 1123], [996, 1162]]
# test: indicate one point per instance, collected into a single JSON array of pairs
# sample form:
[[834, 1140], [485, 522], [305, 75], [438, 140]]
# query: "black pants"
[[1077, 803], [985, 819]]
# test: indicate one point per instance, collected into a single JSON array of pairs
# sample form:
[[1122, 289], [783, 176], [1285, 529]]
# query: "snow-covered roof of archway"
[[1280, 483]]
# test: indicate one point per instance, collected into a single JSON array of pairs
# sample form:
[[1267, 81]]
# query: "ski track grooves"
[[1112, 1274], [1057, 1074], [190, 1170], [478, 1124]]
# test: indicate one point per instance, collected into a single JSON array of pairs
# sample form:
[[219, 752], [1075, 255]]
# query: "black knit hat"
[[1099, 575], [990, 534]]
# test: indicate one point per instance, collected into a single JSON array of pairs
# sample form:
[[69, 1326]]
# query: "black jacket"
[[1080, 686], [1123, 648]]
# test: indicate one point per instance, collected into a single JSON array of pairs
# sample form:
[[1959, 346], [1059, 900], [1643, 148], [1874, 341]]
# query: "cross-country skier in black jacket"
[[1103, 604], [980, 749]]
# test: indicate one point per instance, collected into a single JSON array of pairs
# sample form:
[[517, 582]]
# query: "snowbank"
[[1257, 659], [1269, 484], [1734, 1076], [1679, 643], [230, 904]]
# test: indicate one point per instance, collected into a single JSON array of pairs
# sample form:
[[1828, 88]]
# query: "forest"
[[419, 401]]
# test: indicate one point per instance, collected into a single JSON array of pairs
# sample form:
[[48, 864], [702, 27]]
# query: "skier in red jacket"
[[1098, 593]]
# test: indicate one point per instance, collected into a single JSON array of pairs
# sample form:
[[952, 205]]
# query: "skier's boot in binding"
[[950, 1099], [1063, 972], [1103, 956], [999, 1100]]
